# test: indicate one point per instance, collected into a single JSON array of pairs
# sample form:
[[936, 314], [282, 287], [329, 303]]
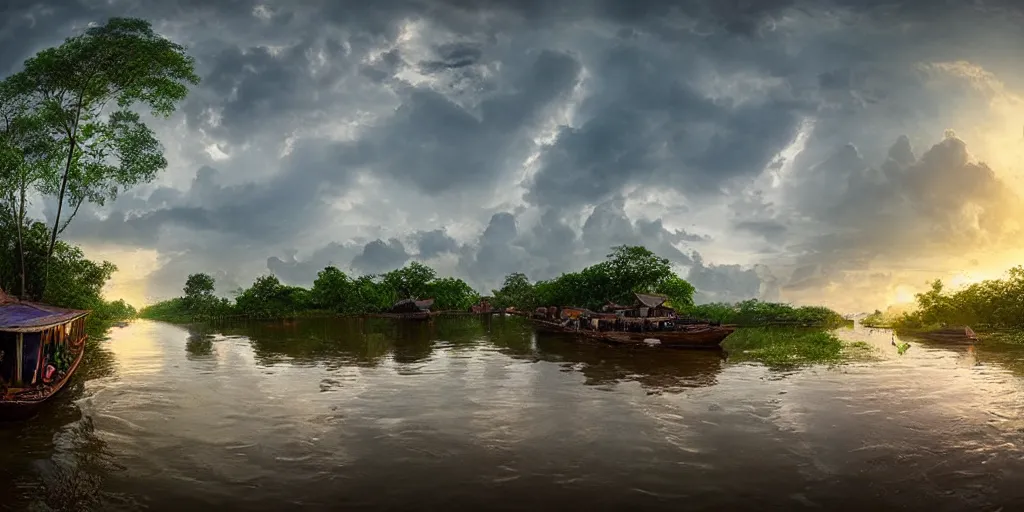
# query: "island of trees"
[[627, 269]]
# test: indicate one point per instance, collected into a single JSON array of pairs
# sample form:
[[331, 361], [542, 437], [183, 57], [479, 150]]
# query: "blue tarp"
[[26, 315]]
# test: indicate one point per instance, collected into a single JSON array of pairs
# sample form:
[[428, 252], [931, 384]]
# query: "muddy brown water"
[[488, 415]]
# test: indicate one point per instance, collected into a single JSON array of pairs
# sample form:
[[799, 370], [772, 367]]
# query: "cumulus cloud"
[[781, 149]]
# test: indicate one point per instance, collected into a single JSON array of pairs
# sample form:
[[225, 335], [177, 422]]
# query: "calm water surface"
[[343, 415]]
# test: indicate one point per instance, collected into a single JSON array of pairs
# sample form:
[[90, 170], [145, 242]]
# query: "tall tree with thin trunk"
[[26, 161], [85, 90]]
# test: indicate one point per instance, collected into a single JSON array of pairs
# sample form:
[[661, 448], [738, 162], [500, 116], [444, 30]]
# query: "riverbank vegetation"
[[626, 270], [790, 346], [994, 308], [71, 132]]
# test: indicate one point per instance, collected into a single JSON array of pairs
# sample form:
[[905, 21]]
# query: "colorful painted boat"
[[41, 347]]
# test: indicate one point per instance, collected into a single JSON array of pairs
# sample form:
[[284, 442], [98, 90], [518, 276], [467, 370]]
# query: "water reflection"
[[55, 459], [337, 342], [332, 414]]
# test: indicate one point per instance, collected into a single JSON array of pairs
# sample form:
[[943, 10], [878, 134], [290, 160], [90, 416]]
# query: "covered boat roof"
[[651, 300], [424, 304], [21, 316]]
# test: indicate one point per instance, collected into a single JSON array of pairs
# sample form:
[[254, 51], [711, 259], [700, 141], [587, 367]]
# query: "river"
[[484, 414]]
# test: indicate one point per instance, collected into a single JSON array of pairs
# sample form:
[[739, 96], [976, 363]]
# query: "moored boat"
[[648, 321], [41, 346], [697, 336], [949, 335], [410, 309]]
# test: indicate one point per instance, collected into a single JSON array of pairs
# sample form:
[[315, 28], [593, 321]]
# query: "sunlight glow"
[[903, 295]]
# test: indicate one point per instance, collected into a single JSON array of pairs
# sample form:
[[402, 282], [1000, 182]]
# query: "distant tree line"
[[997, 303], [626, 270]]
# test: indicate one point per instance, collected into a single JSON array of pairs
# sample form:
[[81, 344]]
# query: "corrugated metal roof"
[[651, 300]]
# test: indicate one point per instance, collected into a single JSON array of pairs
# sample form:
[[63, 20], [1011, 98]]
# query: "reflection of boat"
[[41, 346], [669, 371]]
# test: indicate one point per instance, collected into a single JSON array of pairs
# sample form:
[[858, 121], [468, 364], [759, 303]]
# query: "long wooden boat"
[[699, 336], [41, 347], [948, 335]]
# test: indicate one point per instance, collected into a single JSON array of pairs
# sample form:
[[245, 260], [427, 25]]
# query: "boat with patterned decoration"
[[41, 346]]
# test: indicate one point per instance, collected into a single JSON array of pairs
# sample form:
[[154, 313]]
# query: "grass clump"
[[781, 346]]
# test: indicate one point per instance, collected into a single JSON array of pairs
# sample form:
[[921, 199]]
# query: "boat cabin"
[[412, 306], [646, 305], [39, 344]]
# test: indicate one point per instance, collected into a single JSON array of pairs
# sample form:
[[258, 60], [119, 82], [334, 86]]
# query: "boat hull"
[[703, 337], [24, 407]]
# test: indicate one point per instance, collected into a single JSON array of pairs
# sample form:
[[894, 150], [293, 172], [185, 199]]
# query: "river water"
[[484, 413]]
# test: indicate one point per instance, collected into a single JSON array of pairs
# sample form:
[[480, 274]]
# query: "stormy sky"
[[837, 152]]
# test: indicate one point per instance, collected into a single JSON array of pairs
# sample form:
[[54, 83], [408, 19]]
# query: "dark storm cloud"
[[302, 272], [434, 243], [437, 145], [731, 283], [429, 112], [609, 226], [380, 256], [644, 123]]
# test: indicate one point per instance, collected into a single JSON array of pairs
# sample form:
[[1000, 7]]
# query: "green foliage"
[[516, 291], [91, 153], [268, 298], [77, 282], [410, 282], [877, 319], [679, 292], [782, 346], [452, 294], [333, 290], [199, 285], [902, 347], [758, 313], [993, 304], [627, 270]]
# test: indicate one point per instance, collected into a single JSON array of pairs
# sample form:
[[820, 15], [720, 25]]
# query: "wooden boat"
[[949, 335], [700, 336], [41, 346], [409, 309]]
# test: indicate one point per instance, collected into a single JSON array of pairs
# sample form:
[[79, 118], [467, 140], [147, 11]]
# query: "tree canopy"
[[77, 100]]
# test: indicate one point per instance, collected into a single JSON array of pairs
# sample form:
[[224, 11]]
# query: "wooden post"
[[19, 353]]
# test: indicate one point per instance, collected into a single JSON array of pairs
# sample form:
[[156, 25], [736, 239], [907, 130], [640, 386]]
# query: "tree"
[[332, 290], [635, 269], [25, 159], [450, 293], [198, 290], [411, 281], [123, 63], [197, 285], [678, 290], [516, 291]]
